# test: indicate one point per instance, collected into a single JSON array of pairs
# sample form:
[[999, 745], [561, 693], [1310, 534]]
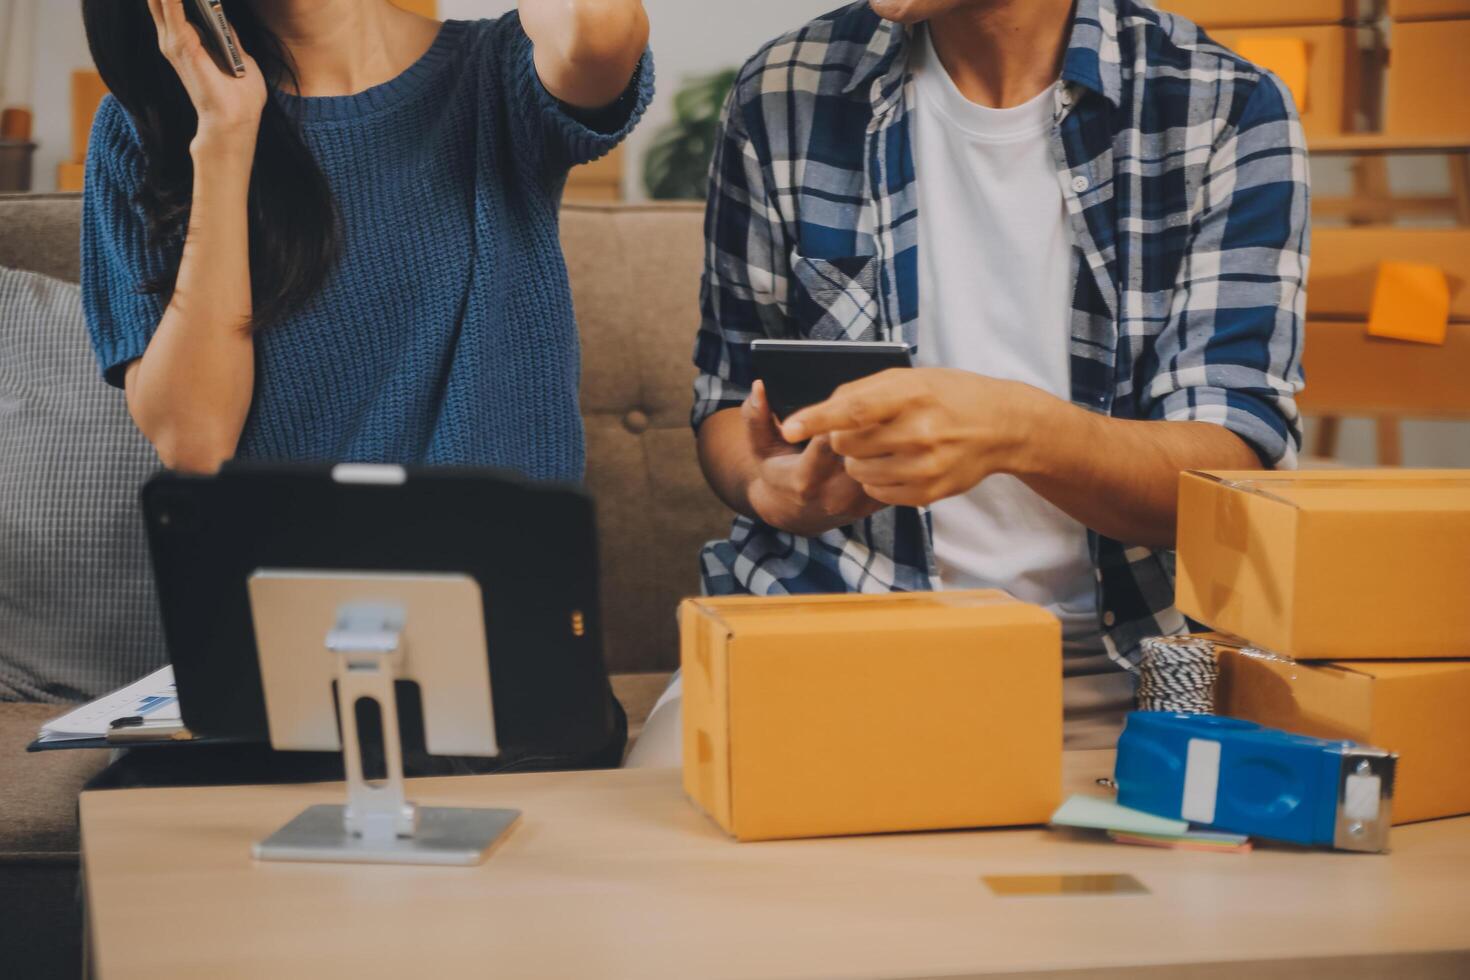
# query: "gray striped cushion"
[[78, 615]]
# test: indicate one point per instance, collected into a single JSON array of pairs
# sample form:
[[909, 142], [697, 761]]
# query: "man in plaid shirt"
[[1088, 220]]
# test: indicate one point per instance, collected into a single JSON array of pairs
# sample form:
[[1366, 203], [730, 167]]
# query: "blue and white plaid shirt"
[[1184, 171]]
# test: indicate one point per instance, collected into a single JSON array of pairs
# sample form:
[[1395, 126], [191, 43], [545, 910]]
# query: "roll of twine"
[[1177, 673]]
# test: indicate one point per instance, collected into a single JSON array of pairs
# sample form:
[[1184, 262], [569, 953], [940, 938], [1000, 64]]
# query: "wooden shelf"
[[1383, 144]]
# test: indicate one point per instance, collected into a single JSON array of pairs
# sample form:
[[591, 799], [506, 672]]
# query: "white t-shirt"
[[995, 287]]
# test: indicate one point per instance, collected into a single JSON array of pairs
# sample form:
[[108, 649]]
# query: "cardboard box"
[[1428, 9], [1327, 97], [1262, 13], [1345, 266], [1329, 564], [815, 716], [1428, 72], [1353, 374], [1414, 708]]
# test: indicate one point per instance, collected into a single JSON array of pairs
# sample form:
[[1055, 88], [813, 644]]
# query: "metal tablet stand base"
[[378, 825]]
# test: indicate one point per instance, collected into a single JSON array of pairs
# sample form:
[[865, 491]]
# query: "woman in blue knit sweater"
[[351, 252]]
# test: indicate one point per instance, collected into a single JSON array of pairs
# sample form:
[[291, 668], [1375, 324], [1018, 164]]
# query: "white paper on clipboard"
[[153, 699]]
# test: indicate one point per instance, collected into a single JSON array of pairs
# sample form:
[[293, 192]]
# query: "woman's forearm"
[[586, 50], [191, 391]]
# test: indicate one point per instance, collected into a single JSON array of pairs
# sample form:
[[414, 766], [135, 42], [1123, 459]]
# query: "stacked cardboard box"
[[1353, 587], [1313, 46], [1428, 70]]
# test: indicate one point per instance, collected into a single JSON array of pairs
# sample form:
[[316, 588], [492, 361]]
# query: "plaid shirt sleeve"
[[1231, 352], [743, 292]]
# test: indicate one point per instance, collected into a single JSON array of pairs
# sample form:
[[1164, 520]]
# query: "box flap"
[[1339, 491], [824, 614], [704, 659], [1402, 669]]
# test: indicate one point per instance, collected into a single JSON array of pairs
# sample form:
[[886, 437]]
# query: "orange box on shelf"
[[601, 180], [1345, 266], [1331, 80], [424, 8], [1355, 374], [1414, 708], [1263, 13], [1329, 564], [817, 716], [70, 177], [1428, 9], [1428, 74], [87, 93]]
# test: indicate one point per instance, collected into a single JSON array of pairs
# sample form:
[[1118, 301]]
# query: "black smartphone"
[[219, 36], [799, 373]]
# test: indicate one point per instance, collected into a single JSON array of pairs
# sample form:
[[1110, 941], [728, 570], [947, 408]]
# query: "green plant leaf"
[[676, 165]]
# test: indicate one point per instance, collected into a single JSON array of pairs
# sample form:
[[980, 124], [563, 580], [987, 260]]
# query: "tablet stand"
[[378, 824]]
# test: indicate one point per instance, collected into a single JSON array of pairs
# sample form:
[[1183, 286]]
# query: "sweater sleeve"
[[559, 136], [117, 258]]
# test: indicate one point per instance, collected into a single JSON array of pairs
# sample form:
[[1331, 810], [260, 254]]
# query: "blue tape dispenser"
[[1243, 778]]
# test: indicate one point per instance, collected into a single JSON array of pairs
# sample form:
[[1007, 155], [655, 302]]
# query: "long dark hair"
[[293, 226]]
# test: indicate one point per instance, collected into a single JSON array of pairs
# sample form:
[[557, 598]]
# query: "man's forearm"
[[726, 458], [1121, 477], [586, 50]]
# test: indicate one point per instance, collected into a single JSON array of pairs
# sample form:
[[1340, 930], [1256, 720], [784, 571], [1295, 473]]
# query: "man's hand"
[[586, 50], [915, 436], [760, 474]]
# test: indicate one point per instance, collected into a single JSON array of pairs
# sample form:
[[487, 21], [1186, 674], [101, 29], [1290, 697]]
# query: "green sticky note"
[[1096, 813]]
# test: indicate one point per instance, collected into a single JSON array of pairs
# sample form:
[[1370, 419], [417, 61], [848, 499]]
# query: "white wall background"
[[690, 37]]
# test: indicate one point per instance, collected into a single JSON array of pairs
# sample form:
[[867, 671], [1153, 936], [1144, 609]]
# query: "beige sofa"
[[635, 281]]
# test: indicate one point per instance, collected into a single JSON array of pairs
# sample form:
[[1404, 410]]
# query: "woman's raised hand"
[[228, 107]]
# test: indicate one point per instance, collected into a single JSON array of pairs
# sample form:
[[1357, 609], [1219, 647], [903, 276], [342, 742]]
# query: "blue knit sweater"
[[445, 333]]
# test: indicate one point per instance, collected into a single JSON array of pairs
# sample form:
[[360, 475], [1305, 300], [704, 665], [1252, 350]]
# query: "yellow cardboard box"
[[1326, 93], [1426, 61], [1414, 708], [815, 716], [1262, 13], [1354, 373], [1345, 262], [1329, 564], [1428, 9]]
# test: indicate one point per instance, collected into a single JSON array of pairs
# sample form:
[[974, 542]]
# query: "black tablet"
[[532, 549], [799, 373]]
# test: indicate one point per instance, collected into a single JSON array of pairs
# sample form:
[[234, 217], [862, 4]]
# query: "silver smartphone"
[[219, 37]]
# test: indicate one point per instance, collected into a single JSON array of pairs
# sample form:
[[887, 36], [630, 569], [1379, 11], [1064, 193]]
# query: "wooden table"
[[614, 874]]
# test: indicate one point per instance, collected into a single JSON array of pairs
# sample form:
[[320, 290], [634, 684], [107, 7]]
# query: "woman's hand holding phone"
[[229, 108], [191, 391]]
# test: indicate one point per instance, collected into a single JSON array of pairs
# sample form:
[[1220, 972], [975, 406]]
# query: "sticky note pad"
[[1284, 57], [1096, 813], [1410, 302]]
